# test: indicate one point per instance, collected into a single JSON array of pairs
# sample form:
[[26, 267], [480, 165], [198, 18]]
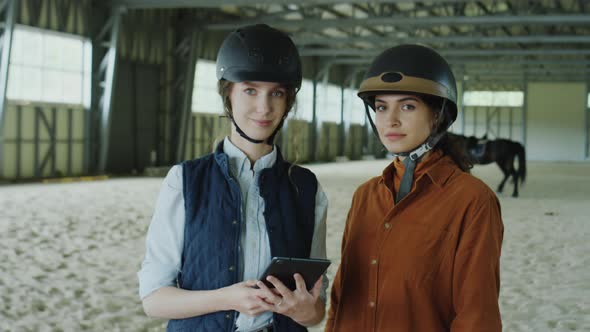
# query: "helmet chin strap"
[[269, 140], [413, 157]]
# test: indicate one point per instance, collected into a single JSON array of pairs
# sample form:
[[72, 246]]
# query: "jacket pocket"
[[420, 251]]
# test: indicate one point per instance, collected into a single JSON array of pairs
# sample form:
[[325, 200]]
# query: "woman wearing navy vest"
[[221, 218]]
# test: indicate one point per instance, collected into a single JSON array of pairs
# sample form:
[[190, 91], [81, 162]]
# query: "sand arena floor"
[[70, 252]]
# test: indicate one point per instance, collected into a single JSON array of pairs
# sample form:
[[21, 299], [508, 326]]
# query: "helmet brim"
[[237, 74], [376, 85]]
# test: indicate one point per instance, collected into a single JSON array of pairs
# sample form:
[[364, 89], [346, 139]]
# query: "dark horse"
[[501, 151]]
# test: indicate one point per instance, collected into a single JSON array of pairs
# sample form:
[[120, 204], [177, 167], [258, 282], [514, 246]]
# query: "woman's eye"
[[380, 108], [408, 107], [250, 91], [278, 93]]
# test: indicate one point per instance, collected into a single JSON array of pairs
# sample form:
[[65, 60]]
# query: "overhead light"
[[292, 6]]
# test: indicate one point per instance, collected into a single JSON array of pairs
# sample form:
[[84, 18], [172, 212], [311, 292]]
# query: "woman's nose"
[[393, 118], [264, 105]]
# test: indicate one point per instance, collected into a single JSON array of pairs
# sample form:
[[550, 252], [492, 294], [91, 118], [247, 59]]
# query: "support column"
[[186, 53], [313, 137], [498, 114], [524, 111], [488, 118], [587, 126], [8, 9], [341, 131], [475, 121], [106, 79], [462, 110], [510, 123], [351, 81]]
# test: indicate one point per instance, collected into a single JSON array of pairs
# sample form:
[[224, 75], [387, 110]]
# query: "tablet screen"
[[283, 268]]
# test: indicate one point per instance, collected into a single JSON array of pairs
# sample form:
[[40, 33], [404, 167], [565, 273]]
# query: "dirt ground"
[[70, 252]]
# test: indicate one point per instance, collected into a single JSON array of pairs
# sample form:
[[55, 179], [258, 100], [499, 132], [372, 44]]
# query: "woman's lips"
[[394, 136], [263, 123]]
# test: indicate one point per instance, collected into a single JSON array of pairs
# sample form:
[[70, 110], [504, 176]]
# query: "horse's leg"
[[514, 177], [506, 175]]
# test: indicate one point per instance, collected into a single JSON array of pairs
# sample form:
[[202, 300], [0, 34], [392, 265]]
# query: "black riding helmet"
[[259, 53], [412, 69]]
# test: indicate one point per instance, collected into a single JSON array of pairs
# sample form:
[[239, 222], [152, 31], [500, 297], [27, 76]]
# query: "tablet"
[[283, 268]]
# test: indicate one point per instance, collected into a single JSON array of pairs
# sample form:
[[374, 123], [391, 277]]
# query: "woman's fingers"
[[268, 295], [284, 292], [300, 283], [279, 286], [250, 283], [317, 288]]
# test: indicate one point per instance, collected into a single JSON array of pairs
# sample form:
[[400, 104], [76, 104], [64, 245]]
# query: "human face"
[[403, 121], [257, 107]]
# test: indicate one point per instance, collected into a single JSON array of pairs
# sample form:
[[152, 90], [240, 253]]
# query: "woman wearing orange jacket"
[[421, 247]]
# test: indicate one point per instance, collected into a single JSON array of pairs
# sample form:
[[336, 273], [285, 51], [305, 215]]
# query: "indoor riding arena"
[[101, 98]]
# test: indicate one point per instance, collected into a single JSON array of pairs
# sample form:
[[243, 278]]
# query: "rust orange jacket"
[[430, 263]]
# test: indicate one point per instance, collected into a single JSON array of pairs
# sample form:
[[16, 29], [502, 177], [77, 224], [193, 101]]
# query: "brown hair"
[[224, 88], [448, 144]]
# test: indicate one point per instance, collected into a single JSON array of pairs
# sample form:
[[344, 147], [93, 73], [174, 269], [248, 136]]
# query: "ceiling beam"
[[145, 4], [392, 40], [501, 20], [518, 61], [446, 53], [533, 70], [536, 77], [469, 63]]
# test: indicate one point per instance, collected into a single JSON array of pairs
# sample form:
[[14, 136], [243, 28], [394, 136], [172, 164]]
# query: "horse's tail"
[[521, 163]]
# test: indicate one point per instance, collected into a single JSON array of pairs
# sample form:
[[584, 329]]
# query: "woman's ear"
[[227, 105], [437, 121], [434, 121]]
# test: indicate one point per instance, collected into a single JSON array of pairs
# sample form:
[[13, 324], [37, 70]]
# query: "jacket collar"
[[439, 172], [222, 160]]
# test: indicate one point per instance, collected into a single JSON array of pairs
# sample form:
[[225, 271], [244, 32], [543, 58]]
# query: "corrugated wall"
[[43, 140], [70, 16], [354, 142], [555, 121], [329, 142], [496, 122], [203, 131], [134, 129], [297, 146]]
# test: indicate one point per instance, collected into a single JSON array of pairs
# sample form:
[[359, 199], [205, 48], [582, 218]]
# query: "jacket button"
[[228, 316], [374, 262], [371, 304], [235, 222], [231, 268]]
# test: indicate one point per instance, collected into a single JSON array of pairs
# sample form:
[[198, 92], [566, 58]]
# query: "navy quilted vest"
[[210, 259]]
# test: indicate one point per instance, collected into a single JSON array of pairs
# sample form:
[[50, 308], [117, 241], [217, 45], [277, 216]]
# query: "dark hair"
[[224, 88], [449, 145]]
